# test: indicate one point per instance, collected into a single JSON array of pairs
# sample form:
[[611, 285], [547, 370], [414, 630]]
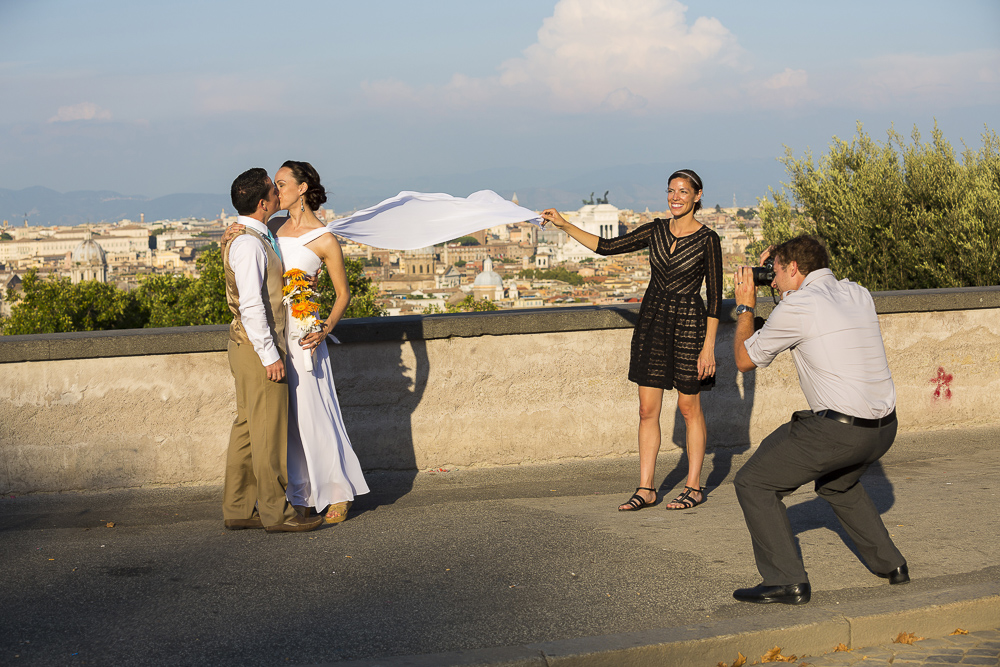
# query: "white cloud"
[[790, 78], [597, 54], [81, 111], [956, 79], [623, 100], [785, 90]]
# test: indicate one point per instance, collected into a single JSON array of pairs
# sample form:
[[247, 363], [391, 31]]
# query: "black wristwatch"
[[740, 309]]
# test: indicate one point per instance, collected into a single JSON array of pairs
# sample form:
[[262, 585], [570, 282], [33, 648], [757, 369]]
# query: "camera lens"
[[764, 275]]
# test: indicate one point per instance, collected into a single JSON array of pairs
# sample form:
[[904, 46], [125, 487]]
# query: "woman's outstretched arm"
[[589, 240]]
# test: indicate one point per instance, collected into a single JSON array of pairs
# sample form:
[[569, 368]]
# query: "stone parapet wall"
[[108, 410]]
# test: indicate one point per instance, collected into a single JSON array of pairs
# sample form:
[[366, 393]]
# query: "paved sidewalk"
[[522, 566], [975, 648]]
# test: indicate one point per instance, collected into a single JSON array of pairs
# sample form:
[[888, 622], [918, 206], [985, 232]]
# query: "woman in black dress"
[[673, 345]]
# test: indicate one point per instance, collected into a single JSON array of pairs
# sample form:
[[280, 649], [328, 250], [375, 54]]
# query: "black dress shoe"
[[761, 594], [901, 575]]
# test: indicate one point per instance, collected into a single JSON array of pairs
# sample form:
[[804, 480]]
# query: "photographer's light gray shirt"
[[832, 330]]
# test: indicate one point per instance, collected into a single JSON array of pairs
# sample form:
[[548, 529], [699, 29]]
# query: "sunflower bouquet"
[[298, 295]]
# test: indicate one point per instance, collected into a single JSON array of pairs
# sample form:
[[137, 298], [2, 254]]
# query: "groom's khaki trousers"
[[256, 468]]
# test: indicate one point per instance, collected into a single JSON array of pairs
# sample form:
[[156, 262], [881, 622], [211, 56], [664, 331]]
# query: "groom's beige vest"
[[270, 291]]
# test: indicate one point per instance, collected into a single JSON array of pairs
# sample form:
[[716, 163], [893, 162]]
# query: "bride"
[[323, 470]]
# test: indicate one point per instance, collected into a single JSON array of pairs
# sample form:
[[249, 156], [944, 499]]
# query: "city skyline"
[[156, 100]]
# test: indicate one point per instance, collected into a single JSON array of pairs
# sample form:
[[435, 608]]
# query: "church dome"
[[88, 251], [489, 277]]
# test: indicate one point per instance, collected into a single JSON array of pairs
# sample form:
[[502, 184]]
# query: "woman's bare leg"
[[650, 402], [696, 436]]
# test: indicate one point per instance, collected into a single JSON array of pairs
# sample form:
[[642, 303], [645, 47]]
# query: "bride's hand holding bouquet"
[[298, 295]]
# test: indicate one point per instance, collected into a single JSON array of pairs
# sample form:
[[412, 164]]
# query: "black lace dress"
[[671, 329]]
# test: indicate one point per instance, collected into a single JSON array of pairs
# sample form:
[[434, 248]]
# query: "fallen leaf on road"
[[840, 647], [906, 638], [774, 655], [739, 662], [110, 524], [959, 631]]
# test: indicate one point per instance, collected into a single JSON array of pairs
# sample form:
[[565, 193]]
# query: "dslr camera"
[[763, 276]]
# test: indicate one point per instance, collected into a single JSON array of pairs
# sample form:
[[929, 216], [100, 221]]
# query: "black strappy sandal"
[[686, 500], [637, 502]]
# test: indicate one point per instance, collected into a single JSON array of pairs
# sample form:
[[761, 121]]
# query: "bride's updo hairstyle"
[[304, 173], [692, 178]]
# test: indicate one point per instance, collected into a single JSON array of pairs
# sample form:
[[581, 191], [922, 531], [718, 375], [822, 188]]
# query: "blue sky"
[[157, 98]]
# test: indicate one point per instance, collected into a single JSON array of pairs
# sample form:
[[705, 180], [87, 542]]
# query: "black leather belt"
[[858, 421]]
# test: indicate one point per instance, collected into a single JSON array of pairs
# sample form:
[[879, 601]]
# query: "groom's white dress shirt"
[[248, 260]]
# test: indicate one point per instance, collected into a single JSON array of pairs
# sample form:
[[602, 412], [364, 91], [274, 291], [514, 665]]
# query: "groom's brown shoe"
[[297, 524], [242, 524]]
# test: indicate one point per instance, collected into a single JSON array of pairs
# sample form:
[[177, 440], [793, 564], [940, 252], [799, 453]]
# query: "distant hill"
[[43, 206], [631, 186]]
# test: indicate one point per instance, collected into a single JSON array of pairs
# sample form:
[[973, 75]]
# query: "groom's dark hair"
[[249, 188]]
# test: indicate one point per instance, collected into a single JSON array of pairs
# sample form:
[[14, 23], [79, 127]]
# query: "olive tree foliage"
[[895, 215]]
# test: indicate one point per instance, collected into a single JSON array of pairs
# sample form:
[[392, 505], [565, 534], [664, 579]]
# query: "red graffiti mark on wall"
[[943, 382]]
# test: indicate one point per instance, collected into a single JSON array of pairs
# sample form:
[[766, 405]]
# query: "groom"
[[256, 472]]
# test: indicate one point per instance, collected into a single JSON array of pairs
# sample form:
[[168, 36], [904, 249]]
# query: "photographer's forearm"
[[746, 295], [744, 329]]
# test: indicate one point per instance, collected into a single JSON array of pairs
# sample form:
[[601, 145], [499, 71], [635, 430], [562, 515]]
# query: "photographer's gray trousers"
[[834, 456]]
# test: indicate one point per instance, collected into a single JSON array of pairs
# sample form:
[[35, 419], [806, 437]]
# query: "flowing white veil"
[[412, 220]]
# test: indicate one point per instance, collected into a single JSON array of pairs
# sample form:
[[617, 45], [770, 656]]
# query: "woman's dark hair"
[[304, 173], [808, 253], [691, 177], [248, 189]]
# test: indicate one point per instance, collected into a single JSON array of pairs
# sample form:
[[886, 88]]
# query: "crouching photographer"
[[832, 331]]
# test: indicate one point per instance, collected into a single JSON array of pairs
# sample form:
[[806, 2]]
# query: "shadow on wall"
[[379, 386], [728, 408]]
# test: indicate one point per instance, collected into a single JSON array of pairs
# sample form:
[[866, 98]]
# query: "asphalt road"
[[465, 559]]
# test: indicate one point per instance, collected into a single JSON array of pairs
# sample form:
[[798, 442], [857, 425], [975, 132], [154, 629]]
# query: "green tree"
[[470, 304], [895, 214], [56, 305], [465, 240], [178, 301], [4, 236], [364, 293], [163, 299], [558, 273]]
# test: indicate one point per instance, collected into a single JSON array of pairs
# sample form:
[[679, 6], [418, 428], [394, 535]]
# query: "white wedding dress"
[[322, 466]]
